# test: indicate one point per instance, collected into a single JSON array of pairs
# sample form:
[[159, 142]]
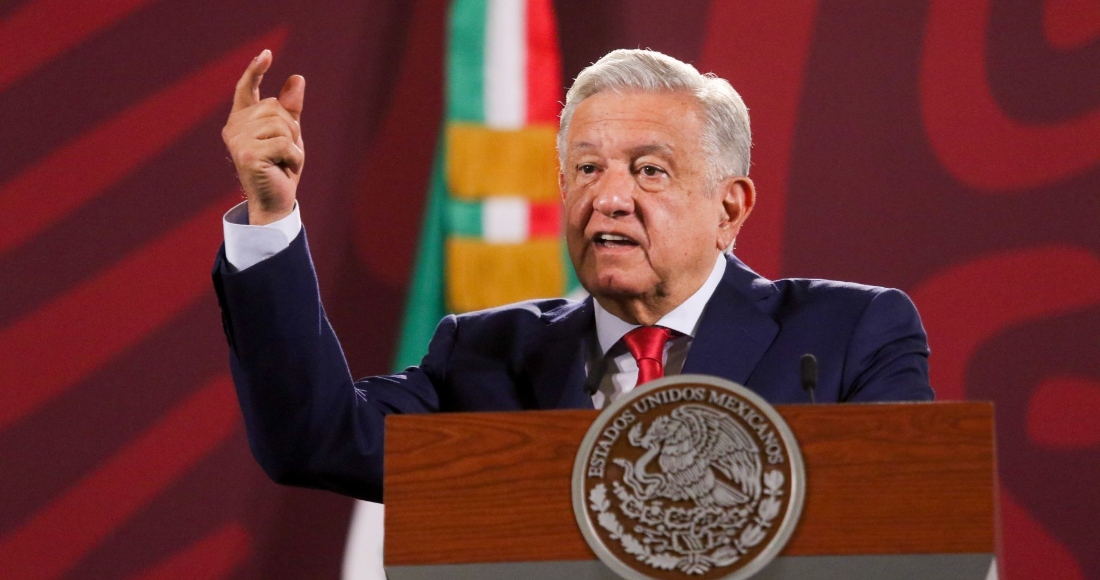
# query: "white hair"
[[727, 139]]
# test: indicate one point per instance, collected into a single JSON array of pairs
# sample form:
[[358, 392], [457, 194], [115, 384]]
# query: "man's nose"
[[615, 196]]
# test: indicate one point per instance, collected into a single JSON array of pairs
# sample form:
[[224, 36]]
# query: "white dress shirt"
[[621, 374], [247, 245]]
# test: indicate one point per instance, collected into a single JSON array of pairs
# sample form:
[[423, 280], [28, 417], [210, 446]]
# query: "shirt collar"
[[683, 319]]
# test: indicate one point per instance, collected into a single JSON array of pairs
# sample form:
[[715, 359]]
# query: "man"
[[655, 188]]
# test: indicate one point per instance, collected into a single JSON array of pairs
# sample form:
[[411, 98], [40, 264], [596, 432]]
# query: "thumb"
[[293, 96]]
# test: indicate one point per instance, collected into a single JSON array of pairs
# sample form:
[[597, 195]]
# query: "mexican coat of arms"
[[688, 477]]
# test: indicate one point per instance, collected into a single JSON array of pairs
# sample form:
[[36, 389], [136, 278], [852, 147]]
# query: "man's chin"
[[619, 290]]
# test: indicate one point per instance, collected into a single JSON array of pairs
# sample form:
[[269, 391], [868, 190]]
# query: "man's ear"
[[561, 184], [738, 198]]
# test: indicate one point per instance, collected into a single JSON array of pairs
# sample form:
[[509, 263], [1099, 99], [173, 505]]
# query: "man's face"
[[644, 219]]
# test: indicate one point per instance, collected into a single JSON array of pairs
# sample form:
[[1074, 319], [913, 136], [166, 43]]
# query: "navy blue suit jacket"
[[310, 424]]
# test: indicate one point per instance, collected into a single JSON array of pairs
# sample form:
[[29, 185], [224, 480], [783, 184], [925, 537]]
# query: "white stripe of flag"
[[505, 68], [505, 220]]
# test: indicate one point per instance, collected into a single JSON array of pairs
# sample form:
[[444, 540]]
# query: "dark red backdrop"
[[948, 148]]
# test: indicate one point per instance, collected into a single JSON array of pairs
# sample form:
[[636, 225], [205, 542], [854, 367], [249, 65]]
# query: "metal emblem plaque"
[[689, 476]]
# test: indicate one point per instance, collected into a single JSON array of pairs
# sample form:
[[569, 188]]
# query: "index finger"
[[247, 92]]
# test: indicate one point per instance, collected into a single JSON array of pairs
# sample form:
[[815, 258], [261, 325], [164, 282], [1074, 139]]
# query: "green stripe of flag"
[[464, 218], [425, 306], [466, 61], [571, 281]]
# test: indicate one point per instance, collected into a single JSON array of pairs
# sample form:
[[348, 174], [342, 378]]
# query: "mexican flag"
[[492, 223], [492, 226]]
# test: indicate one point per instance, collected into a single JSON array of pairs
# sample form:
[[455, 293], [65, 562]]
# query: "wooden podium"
[[892, 491]]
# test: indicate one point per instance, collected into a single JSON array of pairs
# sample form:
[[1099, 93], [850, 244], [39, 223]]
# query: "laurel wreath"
[[765, 512], [608, 521], [751, 535]]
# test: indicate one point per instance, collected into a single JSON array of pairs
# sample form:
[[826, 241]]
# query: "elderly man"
[[654, 183]]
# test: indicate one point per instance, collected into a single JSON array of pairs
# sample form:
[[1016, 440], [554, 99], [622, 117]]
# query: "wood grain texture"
[[881, 479]]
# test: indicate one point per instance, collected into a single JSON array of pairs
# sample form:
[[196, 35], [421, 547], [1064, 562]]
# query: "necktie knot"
[[647, 345]]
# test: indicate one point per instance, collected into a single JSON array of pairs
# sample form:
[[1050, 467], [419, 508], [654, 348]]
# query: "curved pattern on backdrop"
[[962, 116], [941, 147]]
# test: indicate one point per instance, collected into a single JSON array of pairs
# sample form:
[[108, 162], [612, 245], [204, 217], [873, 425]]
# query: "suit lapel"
[[556, 362], [735, 330], [734, 333]]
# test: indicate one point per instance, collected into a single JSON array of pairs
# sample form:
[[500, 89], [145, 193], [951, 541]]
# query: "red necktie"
[[647, 344]]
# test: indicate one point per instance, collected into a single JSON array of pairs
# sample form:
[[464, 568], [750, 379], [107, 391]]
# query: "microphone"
[[592, 383], [809, 375], [595, 376]]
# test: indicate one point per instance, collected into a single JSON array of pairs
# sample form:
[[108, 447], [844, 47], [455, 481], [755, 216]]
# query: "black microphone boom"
[[809, 375]]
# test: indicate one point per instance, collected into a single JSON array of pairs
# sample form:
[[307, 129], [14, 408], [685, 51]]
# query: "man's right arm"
[[308, 423]]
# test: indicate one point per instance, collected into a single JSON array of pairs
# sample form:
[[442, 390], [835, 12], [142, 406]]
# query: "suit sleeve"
[[308, 423], [887, 358]]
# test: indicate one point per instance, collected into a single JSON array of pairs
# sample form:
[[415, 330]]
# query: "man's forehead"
[[653, 121]]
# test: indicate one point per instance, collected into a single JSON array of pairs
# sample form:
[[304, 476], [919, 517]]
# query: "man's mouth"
[[613, 241]]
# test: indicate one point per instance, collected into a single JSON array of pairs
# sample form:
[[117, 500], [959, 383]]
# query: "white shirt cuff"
[[247, 245]]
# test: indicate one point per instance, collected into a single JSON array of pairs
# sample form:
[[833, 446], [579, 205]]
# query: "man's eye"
[[587, 169], [651, 171]]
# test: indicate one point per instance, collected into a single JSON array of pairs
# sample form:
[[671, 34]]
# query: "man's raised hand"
[[264, 138]]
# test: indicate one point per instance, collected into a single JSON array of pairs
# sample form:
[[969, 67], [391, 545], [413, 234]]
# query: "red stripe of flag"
[[544, 220], [61, 534], [544, 82], [77, 172]]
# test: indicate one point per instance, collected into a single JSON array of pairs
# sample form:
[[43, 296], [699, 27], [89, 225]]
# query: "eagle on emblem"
[[691, 444]]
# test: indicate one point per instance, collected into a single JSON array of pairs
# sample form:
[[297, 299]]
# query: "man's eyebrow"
[[650, 149], [638, 151]]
